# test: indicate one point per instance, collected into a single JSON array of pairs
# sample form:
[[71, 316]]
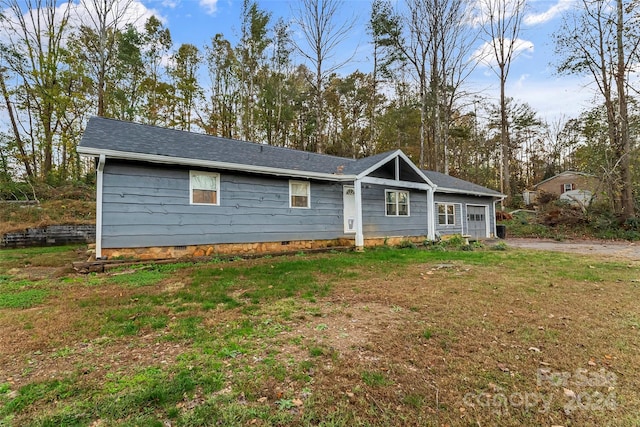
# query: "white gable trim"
[[398, 154]]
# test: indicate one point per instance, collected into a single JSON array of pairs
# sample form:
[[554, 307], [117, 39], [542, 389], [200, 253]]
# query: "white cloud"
[[81, 13], [556, 97], [552, 98], [546, 16], [484, 55], [522, 81], [11, 30], [171, 4], [482, 10], [210, 6], [124, 12]]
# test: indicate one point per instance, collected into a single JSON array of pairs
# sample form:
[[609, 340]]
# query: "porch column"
[[357, 188], [431, 215]]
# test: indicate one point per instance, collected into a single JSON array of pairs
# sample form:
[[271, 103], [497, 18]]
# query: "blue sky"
[[533, 78]]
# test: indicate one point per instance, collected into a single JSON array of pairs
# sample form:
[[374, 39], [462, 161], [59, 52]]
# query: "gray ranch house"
[[165, 193]]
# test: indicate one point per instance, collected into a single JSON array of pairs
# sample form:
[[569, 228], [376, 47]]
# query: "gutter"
[[473, 193]]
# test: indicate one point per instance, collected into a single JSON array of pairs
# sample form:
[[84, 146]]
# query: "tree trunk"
[[24, 158], [628, 207], [504, 138], [423, 126]]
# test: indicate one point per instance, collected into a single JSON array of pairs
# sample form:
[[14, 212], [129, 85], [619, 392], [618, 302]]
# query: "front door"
[[349, 203], [477, 221]]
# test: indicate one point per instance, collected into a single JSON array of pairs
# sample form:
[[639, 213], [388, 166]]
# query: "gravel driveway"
[[617, 249]]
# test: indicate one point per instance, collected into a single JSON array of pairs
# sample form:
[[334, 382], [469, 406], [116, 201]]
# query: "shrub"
[[454, 241], [407, 244], [632, 224], [546, 198], [500, 246]]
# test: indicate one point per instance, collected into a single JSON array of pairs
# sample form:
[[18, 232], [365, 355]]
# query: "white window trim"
[[386, 191], [216, 175], [564, 187], [308, 185], [446, 216]]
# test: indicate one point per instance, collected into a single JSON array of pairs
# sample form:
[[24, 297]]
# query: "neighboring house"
[[167, 193], [569, 185]]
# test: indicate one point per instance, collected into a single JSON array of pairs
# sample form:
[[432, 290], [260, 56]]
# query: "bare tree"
[[501, 21], [98, 34], [251, 52], [36, 31], [183, 72], [602, 40], [24, 158], [323, 31], [453, 40], [408, 39], [434, 38]]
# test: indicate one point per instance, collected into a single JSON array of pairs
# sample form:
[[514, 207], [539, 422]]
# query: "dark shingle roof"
[[448, 183], [128, 137]]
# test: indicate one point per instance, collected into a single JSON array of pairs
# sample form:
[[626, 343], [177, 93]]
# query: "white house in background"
[[578, 187]]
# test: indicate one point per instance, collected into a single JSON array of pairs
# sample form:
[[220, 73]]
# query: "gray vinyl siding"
[[461, 202], [146, 205], [375, 223]]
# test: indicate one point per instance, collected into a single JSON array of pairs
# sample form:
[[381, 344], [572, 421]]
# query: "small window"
[[446, 214], [397, 203], [567, 187], [204, 188], [299, 194]]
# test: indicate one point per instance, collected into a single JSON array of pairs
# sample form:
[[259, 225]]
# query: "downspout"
[[431, 209], [495, 210], [465, 219], [99, 181], [357, 188]]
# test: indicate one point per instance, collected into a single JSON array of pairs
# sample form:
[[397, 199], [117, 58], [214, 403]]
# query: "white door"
[[349, 203]]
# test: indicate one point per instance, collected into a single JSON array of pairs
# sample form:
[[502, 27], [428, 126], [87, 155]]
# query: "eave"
[[170, 160], [469, 192]]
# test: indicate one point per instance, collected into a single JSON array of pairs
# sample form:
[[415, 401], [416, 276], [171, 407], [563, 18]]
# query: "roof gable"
[[395, 163]]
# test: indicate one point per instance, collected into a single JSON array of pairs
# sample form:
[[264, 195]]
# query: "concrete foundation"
[[227, 249]]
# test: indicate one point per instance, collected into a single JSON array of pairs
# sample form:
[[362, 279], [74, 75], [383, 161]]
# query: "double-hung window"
[[396, 203], [446, 214], [205, 188], [299, 194]]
